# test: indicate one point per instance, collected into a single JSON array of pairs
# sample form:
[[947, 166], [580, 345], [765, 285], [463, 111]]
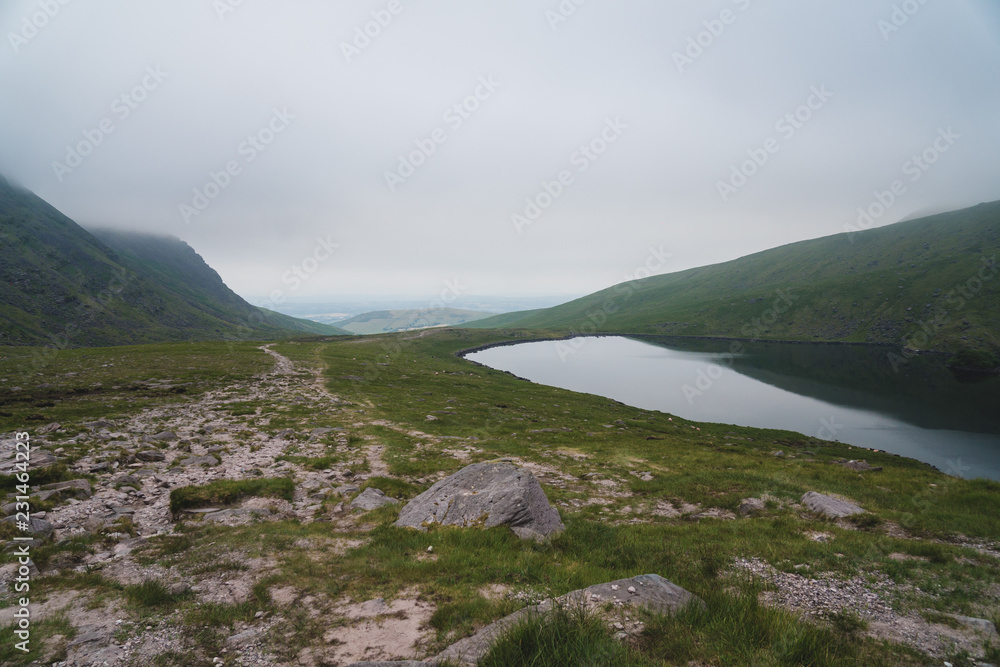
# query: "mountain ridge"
[[69, 287], [924, 284]]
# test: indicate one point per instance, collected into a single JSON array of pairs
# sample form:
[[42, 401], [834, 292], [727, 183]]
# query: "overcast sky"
[[311, 117]]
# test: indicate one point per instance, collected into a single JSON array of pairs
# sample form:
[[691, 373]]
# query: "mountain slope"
[[65, 287], [386, 321], [930, 283]]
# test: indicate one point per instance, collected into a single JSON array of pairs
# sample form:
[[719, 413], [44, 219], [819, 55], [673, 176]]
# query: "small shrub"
[[848, 623], [150, 593]]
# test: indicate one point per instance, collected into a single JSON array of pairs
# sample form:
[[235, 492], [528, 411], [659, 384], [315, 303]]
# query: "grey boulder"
[[832, 508], [492, 493], [371, 498]]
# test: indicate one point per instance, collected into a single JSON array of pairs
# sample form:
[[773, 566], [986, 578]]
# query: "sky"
[[440, 149]]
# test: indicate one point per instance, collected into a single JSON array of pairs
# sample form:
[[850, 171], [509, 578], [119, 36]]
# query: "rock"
[[132, 479], [751, 506], [391, 663], [490, 494], [36, 527], [41, 458], [223, 515], [199, 460], [151, 455], [49, 428], [371, 498], [73, 488], [87, 637], [650, 591], [347, 489], [165, 436], [178, 588], [97, 425], [831, 508], [981, 624], [862, 466], [242, 637]]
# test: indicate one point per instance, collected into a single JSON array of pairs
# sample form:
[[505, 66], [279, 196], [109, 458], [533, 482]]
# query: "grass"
[[227, 492], [561, 638], [483, 415]]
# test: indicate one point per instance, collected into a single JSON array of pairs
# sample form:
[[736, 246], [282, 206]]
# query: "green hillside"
[[67, 287], [929, 283], [388, 321]]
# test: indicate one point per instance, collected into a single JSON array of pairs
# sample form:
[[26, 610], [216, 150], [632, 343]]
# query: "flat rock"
[[36, 527], [371, 498], [650, 591], [861, 466], [832, 508], [73, 488], [346, 489], [49, 428], [751, 506], [242, 637], [391, 663], [151, 455], [165, 436], [199, 460], [488, 494]]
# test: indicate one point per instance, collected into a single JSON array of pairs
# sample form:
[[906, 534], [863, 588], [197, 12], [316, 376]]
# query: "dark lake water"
[[852, 394]]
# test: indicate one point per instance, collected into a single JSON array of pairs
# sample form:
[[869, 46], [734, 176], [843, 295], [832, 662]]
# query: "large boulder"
[[487, 494], [832, 508]]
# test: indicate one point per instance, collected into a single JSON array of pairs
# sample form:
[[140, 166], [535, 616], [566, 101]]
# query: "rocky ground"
[[138, 461]]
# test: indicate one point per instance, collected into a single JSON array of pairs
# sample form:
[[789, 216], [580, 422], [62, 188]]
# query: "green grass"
[[226, 492], [483, 415], [875, 286], [561, 638]]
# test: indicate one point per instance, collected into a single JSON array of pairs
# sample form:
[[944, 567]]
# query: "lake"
[[849, 393]]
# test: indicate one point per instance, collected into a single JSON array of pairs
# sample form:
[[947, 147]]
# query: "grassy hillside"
[[884, 285], [388, 321], [66, 287], [639, 491]]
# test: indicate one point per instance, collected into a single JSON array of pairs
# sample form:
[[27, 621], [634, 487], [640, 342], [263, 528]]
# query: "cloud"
[[356, 109]]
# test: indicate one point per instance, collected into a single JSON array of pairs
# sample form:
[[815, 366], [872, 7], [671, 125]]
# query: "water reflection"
[[848, 393]]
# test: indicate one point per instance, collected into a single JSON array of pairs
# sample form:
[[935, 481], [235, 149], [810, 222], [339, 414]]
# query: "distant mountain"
[[931, 283], [67, 287], [386, 321]]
